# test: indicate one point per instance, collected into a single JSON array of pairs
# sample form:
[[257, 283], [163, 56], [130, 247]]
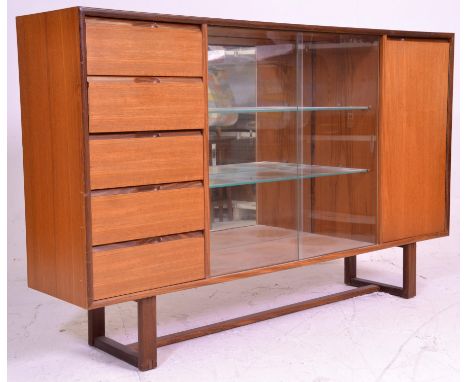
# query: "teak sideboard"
[[164, 153]]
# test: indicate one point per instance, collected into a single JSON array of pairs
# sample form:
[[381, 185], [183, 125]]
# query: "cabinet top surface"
[[145, 16]]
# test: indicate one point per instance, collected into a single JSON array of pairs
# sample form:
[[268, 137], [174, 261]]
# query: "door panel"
[[413, 131]]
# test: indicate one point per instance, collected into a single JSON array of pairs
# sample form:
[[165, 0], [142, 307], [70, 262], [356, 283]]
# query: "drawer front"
[[129, 104], [125, 162], [124, 48], [142, 267], [145, 214]]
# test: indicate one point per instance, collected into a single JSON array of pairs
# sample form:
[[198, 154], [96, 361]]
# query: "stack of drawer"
[[146, 102]]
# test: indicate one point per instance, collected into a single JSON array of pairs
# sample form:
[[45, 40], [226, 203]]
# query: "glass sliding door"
[[253, 146], [339, 212], [266, 194]]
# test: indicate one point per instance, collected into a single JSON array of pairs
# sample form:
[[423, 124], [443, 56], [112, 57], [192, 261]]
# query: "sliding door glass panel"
[[252, 90], [292, 139], [339, 212]]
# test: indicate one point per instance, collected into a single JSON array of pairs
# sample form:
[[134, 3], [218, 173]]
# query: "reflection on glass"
[[339, 213], [249, 72], [292, 145]]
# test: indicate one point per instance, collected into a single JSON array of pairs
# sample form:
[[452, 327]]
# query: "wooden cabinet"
[[163, 153]]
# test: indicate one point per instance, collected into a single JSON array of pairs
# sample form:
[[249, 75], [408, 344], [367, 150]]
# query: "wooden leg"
[[350, 269], [409, 270], [141, 355], [147, 333], [409, 274], [96, 324]]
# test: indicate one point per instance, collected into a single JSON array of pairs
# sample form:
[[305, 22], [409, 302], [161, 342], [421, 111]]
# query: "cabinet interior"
[[292, 145]]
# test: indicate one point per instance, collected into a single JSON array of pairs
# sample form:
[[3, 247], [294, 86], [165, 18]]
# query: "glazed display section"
[[292, 121]]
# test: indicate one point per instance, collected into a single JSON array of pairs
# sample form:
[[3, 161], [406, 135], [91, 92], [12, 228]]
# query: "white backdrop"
[[423, 15]]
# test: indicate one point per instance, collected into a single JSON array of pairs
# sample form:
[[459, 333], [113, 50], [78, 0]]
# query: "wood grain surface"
[[53, 156], [139, 161], [146, 16], [146, 214], [124, 104], [120, 48], [141, 267], [413, 132]]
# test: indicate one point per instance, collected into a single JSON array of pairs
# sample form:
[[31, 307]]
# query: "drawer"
[[142, 267], [122, 162], [128, 48], [132, 104], [144, 214]]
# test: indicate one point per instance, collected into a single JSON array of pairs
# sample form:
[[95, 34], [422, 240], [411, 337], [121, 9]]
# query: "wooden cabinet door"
[[413, 138]]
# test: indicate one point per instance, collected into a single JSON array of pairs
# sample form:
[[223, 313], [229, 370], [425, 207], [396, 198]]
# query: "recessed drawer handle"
[[144, 24], [152, 80]]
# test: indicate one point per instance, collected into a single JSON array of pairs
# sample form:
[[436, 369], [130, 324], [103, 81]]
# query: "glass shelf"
[[279, 109], [239, 174]]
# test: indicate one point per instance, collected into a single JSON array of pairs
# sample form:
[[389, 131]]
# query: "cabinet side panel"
[[413, 134], [51, 112]]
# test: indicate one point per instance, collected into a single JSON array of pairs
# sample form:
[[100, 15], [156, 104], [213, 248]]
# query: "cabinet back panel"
[[413, 138], [53, 153]]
